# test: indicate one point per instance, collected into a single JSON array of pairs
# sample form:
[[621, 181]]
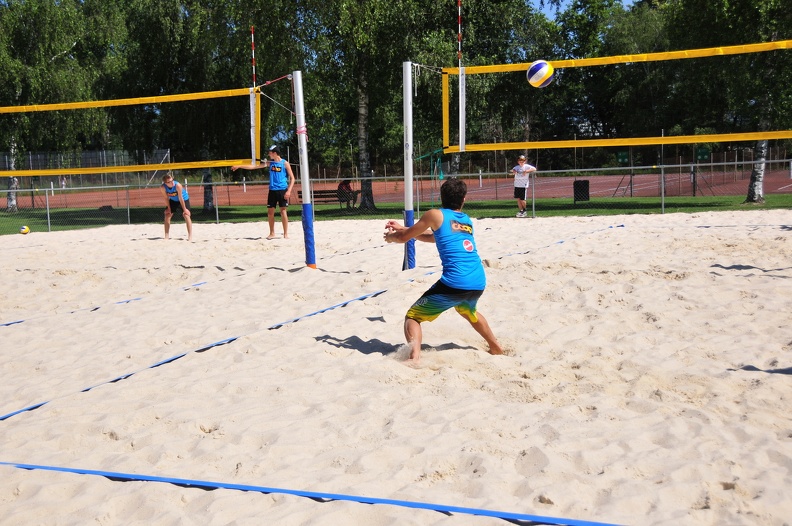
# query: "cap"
[[274, 148], [521, 158]]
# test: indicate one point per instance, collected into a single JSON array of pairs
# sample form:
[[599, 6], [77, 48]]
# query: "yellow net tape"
[[127, 102], [626, 59], [124, 168]]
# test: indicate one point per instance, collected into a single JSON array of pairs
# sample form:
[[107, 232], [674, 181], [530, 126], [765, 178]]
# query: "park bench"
[[322, 196]]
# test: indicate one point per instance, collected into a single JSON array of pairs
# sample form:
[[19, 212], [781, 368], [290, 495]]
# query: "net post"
[[305, 178], [409, 247], [253, 125]]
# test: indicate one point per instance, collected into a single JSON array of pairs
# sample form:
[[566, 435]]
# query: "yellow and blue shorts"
[[439, 298]]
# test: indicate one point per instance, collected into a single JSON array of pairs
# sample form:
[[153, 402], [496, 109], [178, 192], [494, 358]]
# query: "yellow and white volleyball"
[[540, 73], [24, 229]]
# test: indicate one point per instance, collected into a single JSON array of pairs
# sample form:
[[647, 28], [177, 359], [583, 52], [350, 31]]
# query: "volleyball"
[[540, 74], [24, 229]]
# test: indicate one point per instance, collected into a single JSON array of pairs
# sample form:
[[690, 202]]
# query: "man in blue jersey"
[[281, 182], [463, 280], [176, 198]]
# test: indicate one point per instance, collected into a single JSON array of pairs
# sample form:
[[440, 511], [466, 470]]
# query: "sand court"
[[648, 375]]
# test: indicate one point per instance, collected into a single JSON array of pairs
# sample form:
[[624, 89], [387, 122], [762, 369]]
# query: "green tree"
[[751, 90], [50, 53]]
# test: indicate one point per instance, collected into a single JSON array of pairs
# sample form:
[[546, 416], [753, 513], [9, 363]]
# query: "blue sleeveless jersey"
[[277, 173], [173, 193], [462, 268]]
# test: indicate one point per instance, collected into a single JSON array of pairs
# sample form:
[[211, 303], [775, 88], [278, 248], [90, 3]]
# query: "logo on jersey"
[[467, 245], [456, 226]]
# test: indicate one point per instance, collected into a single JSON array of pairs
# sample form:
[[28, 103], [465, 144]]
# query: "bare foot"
[[271, 236], [412, 363], [495, 352]]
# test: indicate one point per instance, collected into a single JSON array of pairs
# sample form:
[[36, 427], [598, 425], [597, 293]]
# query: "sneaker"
[[522, 214]]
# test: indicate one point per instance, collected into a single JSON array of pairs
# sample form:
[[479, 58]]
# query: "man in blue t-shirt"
[[463, 280], [281, 182]]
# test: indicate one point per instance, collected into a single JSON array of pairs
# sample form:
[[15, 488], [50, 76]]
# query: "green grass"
[[77, 218]]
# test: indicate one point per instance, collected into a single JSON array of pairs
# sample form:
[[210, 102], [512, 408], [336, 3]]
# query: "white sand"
[[622, 400]]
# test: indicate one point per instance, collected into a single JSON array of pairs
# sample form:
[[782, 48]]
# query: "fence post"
[[129, 213], [216, 206], [46, 201]]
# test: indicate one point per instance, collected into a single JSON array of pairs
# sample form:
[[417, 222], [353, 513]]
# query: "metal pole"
[[302, 142], [662, 177], [409, 247]]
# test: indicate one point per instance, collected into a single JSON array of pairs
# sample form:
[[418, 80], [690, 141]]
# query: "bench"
[[322, 196]]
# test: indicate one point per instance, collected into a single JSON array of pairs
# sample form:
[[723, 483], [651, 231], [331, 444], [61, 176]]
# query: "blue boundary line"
[[211, 485], [125, 376], [326, 309]]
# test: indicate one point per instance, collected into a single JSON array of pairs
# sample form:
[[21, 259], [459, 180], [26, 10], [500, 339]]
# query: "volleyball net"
[[461, 74], [194, 124]]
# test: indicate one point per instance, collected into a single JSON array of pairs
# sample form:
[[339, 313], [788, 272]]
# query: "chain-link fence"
[[622, 190]]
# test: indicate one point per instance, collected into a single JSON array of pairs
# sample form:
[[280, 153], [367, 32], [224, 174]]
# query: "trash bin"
[[580, 190]]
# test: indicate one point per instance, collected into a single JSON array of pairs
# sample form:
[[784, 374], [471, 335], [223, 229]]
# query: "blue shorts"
[[439, 298]]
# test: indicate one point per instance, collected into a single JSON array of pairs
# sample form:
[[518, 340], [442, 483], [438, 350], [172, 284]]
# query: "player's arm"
[[422, 230], [167, 201], [261, 166], [180, 193], [291, 179]]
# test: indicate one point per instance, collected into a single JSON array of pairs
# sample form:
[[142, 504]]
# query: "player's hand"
[[391, 227], [186, 213]]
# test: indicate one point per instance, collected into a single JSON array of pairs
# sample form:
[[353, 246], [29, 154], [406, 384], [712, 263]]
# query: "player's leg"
[[482, 327], [285, 222], [428, 307], [168, 215], [467, 309], [188, 222], [271, 221], [414, 336], [519, 194]]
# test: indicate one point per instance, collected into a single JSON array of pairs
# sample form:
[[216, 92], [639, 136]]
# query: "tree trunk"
[[208, 189], [13, 182], [756, 184], [364, 163]]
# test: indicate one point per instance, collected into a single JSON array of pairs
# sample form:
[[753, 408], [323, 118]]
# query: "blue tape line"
[[122, 302], [127, 375], [11, 323], [23, 410], [343, 304], [561, 242], [206, 484]]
